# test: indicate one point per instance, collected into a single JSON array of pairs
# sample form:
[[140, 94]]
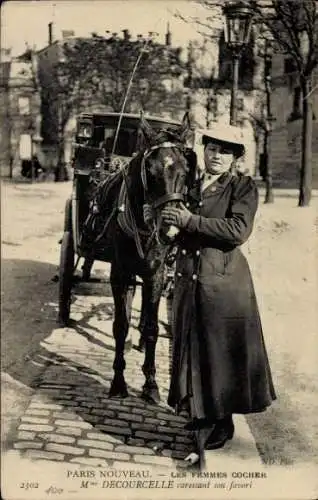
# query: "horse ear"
[[146, 129], [185, 128]]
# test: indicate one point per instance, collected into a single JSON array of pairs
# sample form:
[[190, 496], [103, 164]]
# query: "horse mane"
[[165, 135], [161, 136]]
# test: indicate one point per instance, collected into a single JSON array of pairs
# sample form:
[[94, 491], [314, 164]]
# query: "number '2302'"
[[29, 486]]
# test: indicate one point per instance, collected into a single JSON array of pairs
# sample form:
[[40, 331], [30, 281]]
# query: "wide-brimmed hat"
[[228, 135]]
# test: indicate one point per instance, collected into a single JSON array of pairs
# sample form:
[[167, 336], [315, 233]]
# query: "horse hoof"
[[63, 322], [150, 393], [118, 388]]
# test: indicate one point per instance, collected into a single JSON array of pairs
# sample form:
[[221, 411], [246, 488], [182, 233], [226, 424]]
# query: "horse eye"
[[152, 166]]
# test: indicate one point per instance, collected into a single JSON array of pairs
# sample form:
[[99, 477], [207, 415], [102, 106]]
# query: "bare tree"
[[293, 25], [208, 25], [96, 70]]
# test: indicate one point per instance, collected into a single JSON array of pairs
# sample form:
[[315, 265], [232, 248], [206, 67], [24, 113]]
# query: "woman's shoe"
[[229, 425], [222, 432]]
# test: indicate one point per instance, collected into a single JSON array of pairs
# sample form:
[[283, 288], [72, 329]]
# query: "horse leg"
[[123, 288], [87, 267], [150, 391], [142, 319]]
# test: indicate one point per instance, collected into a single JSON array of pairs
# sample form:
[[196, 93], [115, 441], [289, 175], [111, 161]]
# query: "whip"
[[142, 51]]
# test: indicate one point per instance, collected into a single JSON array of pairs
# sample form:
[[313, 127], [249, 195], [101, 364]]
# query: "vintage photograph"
[[159, 249]]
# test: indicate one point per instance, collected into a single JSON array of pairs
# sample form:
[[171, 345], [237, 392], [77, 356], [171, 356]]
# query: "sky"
[[27, 21]]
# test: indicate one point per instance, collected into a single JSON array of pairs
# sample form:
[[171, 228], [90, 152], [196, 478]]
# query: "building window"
[[25, 147], [212, 106], [246, 67], [24, 105], [289, 66]]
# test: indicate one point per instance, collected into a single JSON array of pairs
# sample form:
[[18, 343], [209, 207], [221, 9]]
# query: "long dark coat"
[[219, 364]]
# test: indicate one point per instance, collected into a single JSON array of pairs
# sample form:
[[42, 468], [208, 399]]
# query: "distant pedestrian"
[[219, 365], [31, 168]]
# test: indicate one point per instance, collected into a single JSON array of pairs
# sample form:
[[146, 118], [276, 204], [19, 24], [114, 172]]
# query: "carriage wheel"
[[66, 278]]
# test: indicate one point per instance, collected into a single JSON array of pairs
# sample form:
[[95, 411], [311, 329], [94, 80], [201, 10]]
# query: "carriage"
[[100, 149]]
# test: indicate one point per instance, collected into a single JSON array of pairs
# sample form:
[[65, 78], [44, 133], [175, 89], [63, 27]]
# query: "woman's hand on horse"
[[147, 213], [178, 217]]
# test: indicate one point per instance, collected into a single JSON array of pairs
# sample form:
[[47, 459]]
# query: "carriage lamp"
[[238, 22]]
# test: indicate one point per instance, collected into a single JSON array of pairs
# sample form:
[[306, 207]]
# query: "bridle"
[[166, 198], [128, 220]]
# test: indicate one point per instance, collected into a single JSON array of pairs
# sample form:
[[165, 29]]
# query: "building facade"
[[63, 97], [285, 141], [209, 84], [20, 108], [32, 99]]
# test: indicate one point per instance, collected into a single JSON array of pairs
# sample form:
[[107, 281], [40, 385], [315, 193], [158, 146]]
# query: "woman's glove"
[[178, 217], [147, 213]]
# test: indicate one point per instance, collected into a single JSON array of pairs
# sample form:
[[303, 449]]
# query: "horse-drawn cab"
[[98, 144], [101, 148]]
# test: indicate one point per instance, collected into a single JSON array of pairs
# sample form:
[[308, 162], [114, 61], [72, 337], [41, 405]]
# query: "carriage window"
[[125, 143], [85, 130]]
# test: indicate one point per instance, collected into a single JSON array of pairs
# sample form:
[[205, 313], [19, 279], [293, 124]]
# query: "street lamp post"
[[238, 22]]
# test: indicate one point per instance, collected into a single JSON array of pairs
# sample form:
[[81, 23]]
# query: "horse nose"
[[172, 203]]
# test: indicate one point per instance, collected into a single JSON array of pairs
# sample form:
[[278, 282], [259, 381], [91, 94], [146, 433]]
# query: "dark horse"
[[157, 175]]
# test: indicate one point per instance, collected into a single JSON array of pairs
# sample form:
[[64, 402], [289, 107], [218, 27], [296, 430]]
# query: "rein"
[[127, 222]]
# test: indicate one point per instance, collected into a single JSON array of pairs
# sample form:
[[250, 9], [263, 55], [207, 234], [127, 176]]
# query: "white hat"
[[228, 134]]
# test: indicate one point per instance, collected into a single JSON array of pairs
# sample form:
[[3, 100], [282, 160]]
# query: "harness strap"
[[122, 217], [126, 219], [108, 221], [168, 197]]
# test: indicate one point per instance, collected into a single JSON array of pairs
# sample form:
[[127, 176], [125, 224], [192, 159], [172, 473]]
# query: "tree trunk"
[[306, 143], [60, 173]]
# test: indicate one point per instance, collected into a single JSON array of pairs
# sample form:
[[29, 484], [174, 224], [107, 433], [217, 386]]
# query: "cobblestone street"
[[70, 417]]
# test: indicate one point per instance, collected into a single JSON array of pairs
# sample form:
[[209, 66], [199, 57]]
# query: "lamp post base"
[[269, 195]]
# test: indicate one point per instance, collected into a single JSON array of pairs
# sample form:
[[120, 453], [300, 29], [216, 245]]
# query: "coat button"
[[194, 277], [183, 251], [187, 204], [200, 203], [197, 252], [179, 275]]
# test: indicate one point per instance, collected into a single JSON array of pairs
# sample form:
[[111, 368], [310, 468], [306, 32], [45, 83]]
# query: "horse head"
[[165, 171]]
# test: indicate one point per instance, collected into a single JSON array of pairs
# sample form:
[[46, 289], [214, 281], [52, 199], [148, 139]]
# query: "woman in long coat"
[[220, 365]]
